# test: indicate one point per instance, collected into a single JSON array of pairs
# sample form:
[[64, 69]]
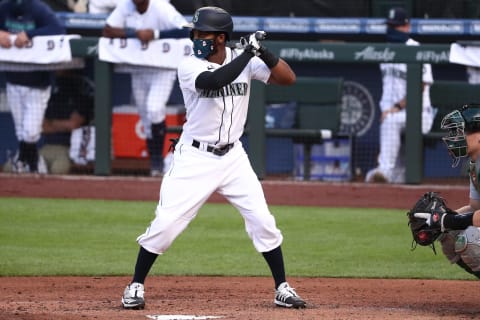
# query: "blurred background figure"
[[393, 104], [149, 20], [70, 107], [27, 92]]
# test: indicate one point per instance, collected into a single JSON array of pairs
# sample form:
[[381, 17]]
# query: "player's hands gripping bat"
[[252, 42]]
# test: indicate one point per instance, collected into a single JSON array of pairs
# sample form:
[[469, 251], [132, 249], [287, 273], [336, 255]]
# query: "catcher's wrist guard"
[[458, 222]]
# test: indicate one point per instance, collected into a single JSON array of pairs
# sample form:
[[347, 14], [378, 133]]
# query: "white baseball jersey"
[[217, 116], [160, 15], [394, 77], [214, 117]]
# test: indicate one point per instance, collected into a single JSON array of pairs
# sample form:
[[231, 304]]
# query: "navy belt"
[[220, 151]]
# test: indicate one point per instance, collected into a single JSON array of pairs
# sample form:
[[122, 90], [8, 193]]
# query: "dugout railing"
[[299, 52]]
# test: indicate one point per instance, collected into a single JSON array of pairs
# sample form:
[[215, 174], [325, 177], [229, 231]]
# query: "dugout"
[[309, 59]]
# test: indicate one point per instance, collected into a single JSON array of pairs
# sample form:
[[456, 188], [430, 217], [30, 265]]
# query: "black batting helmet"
[[212, 19]]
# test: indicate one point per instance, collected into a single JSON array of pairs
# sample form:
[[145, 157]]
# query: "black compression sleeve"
[[269, 58], [224, 75], [457, 221]]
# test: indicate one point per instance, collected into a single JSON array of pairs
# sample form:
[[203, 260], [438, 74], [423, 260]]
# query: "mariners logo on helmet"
[[195, 17], [212, 19]]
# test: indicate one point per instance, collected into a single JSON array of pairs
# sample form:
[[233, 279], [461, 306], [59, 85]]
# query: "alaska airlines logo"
[[233, 89], [370, 54], [306, 54], [358, 109], [432, 56]]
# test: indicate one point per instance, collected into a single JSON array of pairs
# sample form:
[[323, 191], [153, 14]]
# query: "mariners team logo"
[[195, 17], [358, 109]]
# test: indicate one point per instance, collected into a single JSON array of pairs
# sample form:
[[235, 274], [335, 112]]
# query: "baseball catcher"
[[430, 219]]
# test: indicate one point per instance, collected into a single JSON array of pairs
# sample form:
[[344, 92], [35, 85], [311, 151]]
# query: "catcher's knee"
[[467, 246], [447, 241]]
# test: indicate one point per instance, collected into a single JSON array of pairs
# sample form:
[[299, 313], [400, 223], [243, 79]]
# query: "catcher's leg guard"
[[464, 266]]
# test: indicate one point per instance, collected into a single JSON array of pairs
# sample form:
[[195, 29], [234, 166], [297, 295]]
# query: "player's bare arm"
[[473, 206], [75, 121], [113, 32], [282, 74]]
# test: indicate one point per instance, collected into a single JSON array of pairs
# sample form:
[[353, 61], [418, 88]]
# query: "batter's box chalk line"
[[181, 317]]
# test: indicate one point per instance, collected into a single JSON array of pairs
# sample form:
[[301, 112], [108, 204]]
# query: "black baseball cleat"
[[285, 296], [133, 296]]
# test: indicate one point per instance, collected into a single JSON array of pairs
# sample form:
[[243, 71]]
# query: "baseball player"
[[461, 238], [209, 156], [393, 104], [149, 20], [27, 92]]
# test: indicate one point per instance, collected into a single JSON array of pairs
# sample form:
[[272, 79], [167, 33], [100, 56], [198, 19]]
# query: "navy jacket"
[[36, 19]]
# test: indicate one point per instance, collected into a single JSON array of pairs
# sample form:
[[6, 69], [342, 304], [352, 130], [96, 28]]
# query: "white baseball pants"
[[28, 107], [151, 91], [193, 176], [390, 139]]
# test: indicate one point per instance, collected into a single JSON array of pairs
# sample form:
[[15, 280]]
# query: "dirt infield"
[[43, 298], [76, 298]]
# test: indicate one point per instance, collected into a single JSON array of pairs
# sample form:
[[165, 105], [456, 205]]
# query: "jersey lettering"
[[232, 89], [14, 26]]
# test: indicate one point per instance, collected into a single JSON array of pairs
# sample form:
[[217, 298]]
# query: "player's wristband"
[[156, 34], [397, 106], [269, 58], [130, 33]]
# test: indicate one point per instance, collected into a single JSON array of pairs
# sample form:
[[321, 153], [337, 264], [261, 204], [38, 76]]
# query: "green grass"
[[92, 237]]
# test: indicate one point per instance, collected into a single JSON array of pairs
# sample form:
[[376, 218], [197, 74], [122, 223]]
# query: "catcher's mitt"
[[425, 219]]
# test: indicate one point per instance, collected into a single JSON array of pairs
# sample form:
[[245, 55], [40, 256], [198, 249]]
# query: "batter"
[[209, 156]]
